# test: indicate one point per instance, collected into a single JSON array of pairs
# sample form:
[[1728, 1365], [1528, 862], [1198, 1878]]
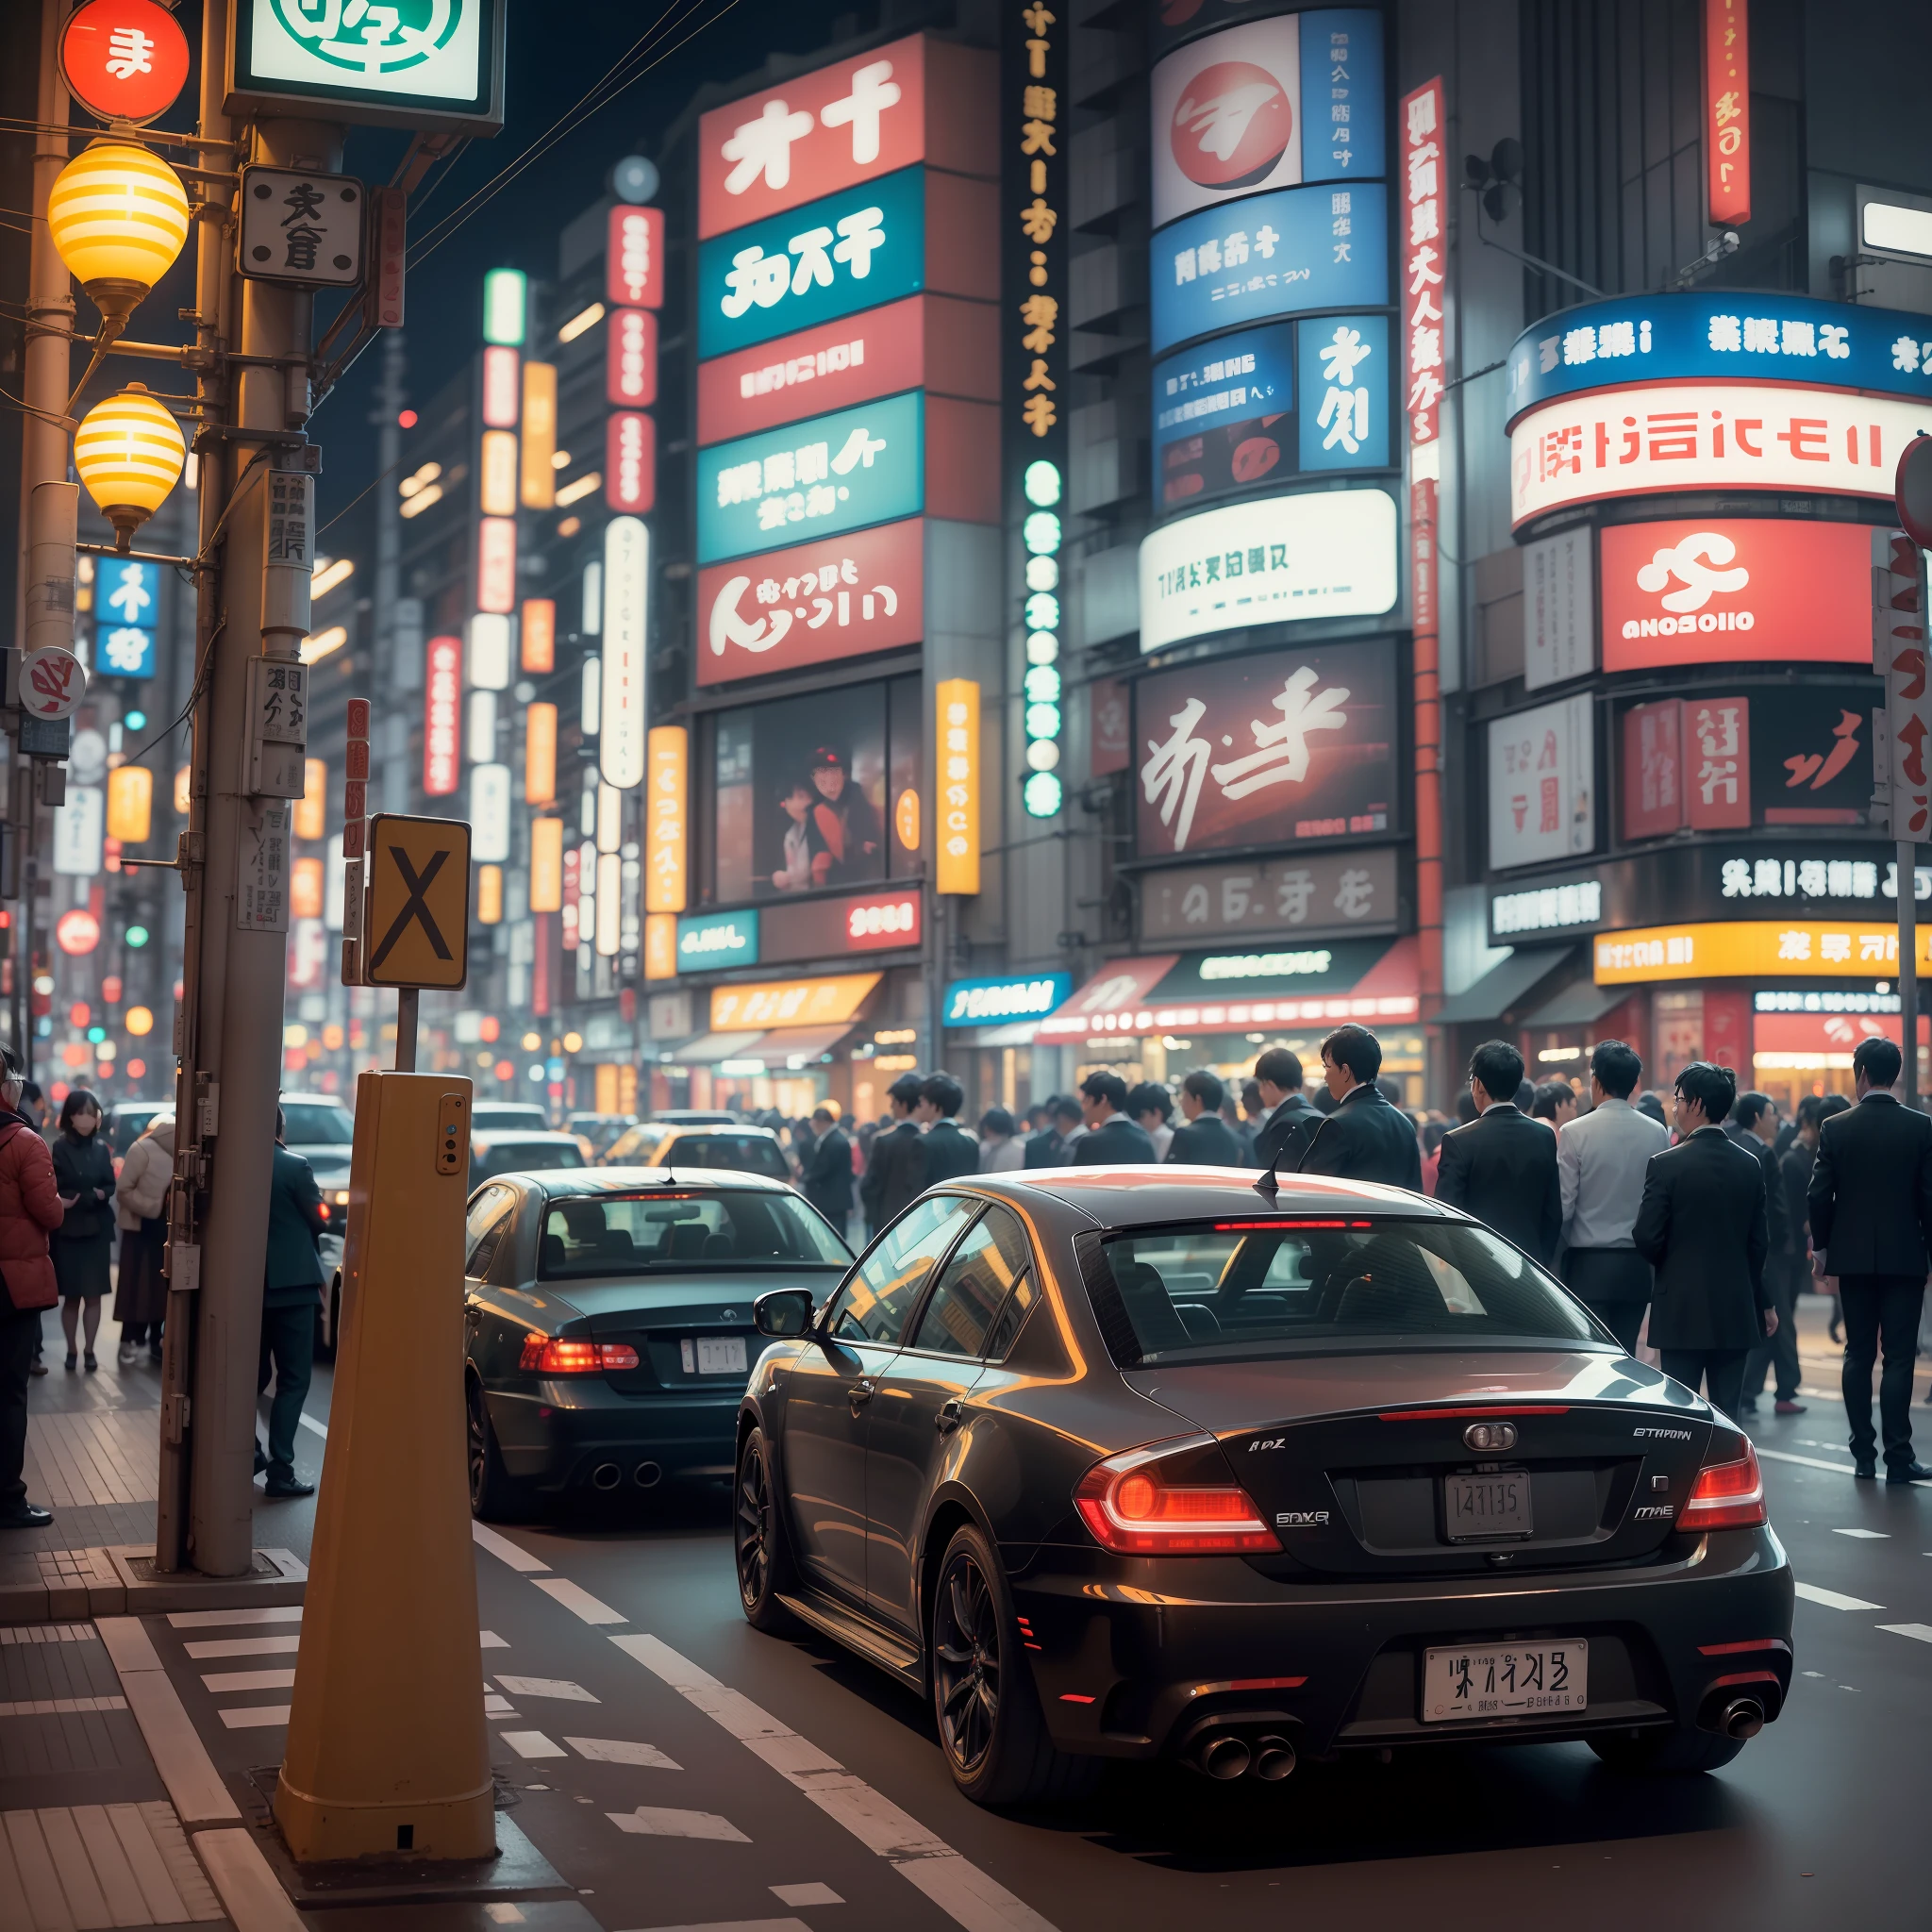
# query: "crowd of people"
[[1689, 1226], [66, 1198]]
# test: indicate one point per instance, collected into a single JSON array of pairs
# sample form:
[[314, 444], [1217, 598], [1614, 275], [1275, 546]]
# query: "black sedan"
[[608, 1324], [1146, 1463]]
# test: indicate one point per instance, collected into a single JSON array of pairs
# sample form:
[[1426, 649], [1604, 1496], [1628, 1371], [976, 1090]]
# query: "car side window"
[[485, 1227], [990, 1259], [883, 1289]]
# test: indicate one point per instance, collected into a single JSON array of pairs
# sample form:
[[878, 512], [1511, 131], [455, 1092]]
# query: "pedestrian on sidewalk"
[[1365, 1138], [29, 1209], [1112, 1138], [1205, 1139], [1502, 1167], [1790, 1268], [1702, 1226], [950, 1151], [1870, 1201], [291, 1292], [83, 1244], [827, 1182], [1602, 1161], [141, 1201], [895, 1173]]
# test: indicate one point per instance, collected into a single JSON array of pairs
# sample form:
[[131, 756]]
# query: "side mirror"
[[783, 1313]]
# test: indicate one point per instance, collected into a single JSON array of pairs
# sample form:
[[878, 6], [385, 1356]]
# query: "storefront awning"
[[1502, 986], [786, 1049], [1581, 1005], [708, 1049], [1360, 980], [791, 1003]]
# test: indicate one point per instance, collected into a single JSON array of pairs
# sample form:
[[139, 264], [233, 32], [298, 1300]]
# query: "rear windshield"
[[1219, 1289], [315, 1124], [522, 1157], [743, 1153], [510, 1113], [621, 1233]]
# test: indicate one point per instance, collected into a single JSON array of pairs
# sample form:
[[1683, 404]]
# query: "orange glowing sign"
[[538, 483], [538, 636], [789, 1001], [540, 754], [661, 945], [546, 865], [956, 724], [1755, 949], [667, 812]]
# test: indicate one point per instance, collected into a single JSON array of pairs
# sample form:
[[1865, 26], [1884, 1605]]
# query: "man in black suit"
[[895, 1175], [1871, 1202], [1365, 1138], [1048, 1148], [1290, 1120], [950, 1150], [1502, 1167], [1701, 1225], [827, 1182], [1205, 1139], [1754, 1128], [1111, 1140]]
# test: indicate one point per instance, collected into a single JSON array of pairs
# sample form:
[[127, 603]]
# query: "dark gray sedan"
[[607, 1329], [1145, 1462]]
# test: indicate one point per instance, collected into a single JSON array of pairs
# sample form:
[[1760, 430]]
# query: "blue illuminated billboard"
[[1280, 254], [709, 940], [990, 1001], [815, 478], [852, 250]]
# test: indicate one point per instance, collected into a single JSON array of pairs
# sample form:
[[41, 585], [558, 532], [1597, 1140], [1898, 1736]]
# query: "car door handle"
[[952, 1413], [860, 1393]]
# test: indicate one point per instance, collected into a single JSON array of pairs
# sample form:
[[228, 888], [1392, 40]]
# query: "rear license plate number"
[[1476, 1508], [714, 1354], [1505, 1680]]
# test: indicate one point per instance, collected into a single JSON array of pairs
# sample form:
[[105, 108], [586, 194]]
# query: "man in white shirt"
[[1601, 1160]]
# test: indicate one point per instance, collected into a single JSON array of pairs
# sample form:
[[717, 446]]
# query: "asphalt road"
[[752, 1822]]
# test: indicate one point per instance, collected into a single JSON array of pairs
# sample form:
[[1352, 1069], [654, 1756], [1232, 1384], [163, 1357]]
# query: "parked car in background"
[[128, 1121], [597, 1131], [608, 1325], [743, 1150], [493, 1115], [507, 1149], [692, 1116]]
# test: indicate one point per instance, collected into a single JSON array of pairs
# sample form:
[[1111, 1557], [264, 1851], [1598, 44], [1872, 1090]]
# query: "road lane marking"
[[256, 1717], [1877, 1536], [494, 1706], [308, 1421], [1802, 1461], [532, 1745], [558, 1688], [1832, 1600], [617, 1751], [245, 1646], [513, 1553], [579, 1600], [222, 1620], [966, 1894], [219, 1681], [653, 1821], [1922, 1631], [490, 1640], [813, 1894], [739, 1925]]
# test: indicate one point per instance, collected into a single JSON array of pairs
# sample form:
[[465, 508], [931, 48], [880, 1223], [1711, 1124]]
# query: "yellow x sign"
[[416, 929]]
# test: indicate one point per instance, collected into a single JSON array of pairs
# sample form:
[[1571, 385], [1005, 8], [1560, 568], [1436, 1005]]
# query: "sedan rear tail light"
[[1726, 1495], [1170, 1499], [553, 1356]]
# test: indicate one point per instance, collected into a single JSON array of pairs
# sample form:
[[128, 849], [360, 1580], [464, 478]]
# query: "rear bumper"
[[566, 1433], [1135, 1657]]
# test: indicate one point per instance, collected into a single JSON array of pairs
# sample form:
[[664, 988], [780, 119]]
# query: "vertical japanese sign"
[[1424, 201], [1034, 271], [1898, 656], [443, 717], [957, 701], [1727, 110], [667, 806], [622, 704]]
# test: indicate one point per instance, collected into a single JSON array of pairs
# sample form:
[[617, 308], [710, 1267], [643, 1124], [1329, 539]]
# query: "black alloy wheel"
[[966, 1662], [757, 1538], [494, 1497]]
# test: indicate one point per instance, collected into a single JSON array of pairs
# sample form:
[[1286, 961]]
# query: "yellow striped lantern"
[[129, 453], [119, 218]]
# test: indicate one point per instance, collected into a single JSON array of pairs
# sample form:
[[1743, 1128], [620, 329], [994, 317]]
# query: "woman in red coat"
[[29, 1211]]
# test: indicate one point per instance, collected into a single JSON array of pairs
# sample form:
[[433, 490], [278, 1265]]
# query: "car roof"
[[700, 1128], [630, 1180], [519, 1137], [1116, 1197]]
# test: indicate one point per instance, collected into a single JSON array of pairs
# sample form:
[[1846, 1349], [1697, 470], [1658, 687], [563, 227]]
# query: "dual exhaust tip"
[[606, 1475], [1742, 1717], [1228, 1754]]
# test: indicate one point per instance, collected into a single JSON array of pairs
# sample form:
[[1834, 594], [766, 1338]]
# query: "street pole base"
[[318, 1831]]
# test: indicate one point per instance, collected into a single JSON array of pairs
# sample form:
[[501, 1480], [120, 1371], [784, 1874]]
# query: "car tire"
[[495, 1497], [992, 1734], [1683, 1752], [761, 1556]]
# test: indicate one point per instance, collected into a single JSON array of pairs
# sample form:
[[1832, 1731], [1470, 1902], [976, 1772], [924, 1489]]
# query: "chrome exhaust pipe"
[[1274, 1759], [1742, 1717], [647, 1475], [606, 1475], [1224, 1758]]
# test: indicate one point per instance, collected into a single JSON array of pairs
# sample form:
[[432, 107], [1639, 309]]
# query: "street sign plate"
[[51, 682], [416, 930], [123, 59], [301, 225]]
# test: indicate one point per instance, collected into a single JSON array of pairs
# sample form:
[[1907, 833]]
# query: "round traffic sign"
[[1913, 491], [51, 682], [77, 931], [123, 59]]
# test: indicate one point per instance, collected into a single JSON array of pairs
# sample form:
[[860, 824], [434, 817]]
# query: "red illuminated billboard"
[[843, 124], [634, 257], [630, 461], [1717, 590], [930, 342], [630, 360], [812, 603]]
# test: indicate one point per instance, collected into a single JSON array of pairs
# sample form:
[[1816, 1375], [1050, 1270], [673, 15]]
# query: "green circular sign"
[[372, 38]]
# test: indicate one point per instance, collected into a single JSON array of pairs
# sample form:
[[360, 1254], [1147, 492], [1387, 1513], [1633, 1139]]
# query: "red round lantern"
[[123, 59], [77, 931]]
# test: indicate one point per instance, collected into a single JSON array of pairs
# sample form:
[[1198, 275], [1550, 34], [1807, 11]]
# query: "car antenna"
[[1269, 1185]]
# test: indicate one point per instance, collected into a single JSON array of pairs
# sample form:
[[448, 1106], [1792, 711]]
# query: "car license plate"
[[1479, 1507], [714, 1354], [1505, 1680]]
